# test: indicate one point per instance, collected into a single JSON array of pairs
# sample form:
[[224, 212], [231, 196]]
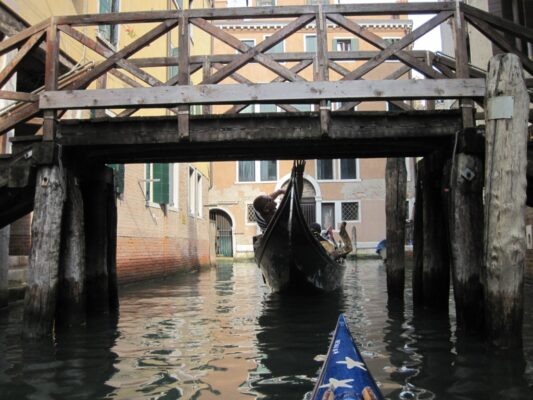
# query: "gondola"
[[344, 374], [291, 259]]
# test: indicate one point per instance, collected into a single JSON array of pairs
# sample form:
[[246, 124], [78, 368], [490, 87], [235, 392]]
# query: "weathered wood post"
[[94, 189], [418, 238], [395, 196], [112, 241], [40, 299], [4, 266], [71, 295], [436, 271], [506, 110], [465, 224]]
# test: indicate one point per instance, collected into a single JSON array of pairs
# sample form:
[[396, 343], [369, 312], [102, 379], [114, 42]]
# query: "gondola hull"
[[345, 374], [290, 257]]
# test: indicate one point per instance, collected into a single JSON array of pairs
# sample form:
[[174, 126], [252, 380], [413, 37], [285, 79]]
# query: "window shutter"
[[161, 187], [173, 70], [334, 45], [354, 44], [119, 177]]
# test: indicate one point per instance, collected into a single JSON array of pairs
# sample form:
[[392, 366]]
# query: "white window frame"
[[337, 171], [338, 212], [174, 183], [191, 198], [257, 173], [246, 220], [199, 195]]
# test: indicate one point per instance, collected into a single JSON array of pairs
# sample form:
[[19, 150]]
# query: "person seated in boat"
[[335, 251], [265, 208]]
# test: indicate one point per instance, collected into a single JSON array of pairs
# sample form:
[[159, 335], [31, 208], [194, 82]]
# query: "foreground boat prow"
[[344, 374]]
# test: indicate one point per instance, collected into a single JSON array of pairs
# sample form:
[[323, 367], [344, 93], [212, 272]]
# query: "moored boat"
[[290, 256], [345, 374]]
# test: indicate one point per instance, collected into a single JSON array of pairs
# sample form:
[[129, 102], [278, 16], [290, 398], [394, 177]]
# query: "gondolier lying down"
[[329, 243], [265, 208]]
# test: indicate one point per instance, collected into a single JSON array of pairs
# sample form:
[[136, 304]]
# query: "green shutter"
[[119, 177], [105, 30], [161, 183], [354, 44], [173, 70], [334, 45]]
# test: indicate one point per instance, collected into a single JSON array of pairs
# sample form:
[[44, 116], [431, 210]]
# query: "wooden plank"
[[501, 41], [18, 96], [51, 68], [13, 42], [321, 63], [255, 12], [183, 75], [294, 92], [461, 57], [394, 49], [258, 128], [279, 57], [133, 47], [499, 23], [10, 69], [256, 51], [206, 73]]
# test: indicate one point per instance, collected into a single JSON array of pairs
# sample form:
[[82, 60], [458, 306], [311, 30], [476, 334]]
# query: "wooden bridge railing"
[[447, 77]]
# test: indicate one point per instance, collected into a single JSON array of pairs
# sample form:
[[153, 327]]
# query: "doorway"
[[223, 233]]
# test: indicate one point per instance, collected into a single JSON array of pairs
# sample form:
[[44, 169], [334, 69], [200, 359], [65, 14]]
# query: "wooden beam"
[[499, 23], [294, 92], [51, 78], [394, 49], [18, 96], [14, 41], [461, 57], [254, 12], [10, 69], [183, 75]]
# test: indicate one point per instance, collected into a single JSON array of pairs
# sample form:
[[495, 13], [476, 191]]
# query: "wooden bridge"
[[47, 134]]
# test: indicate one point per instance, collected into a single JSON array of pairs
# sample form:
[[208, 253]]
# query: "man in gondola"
[[334, 251], [265, 208]]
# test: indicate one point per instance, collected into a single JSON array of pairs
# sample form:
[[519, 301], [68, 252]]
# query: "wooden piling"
[[4, 266], [40, 299], [506, 110], [418, 238], [436, 274], [94, 189], [71, 295], [465, 224], [395, 197], [112, 242]]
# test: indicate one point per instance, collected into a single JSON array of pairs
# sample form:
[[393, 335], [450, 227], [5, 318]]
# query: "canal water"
[[220, 334]]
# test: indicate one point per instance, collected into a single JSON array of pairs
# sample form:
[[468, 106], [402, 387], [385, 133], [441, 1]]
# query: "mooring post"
[[436, 273], [506, 110], [71, 295], [418, 238], [465, 224], [112, 241], [94, 190], [40, 299], [396, 192], [4, 266]]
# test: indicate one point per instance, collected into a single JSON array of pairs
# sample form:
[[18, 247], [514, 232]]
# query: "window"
[[192, 191], [158, 187], [250, 214], [257, 171], [173, 69], [310, 43], [119, 177], [348, 168], [109, 32], [265, 3], [328, 215], [350, 211], [324, 169], [199, 195], [278, 48], [248, 42], [345, 44], [268, 108], [391, 40]]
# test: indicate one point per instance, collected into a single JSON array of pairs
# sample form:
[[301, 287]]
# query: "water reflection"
[[220, 334]]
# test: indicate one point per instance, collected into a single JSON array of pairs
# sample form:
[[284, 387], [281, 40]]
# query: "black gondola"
[[288, 254]]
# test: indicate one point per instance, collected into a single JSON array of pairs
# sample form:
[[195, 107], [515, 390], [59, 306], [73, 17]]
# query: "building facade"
[[335, 190], [162, 224]]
